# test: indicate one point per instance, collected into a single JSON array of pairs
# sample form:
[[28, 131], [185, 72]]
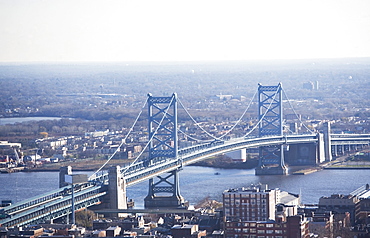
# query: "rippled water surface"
[[198, 182]]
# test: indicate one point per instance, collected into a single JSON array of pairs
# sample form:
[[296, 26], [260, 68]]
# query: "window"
[[261, 231], [260, 225]]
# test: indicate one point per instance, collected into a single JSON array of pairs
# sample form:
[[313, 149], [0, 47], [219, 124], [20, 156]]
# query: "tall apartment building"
[[259, 212], [255, 203]]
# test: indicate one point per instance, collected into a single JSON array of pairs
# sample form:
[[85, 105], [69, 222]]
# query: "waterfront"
[[14, 120], [198, 182]]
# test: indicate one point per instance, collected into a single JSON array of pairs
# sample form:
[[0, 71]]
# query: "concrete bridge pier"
[[165, 192], [116, 191], [63, 171], [321, 148], [310, 153], [327, 142], [271, 161], [334, 151]]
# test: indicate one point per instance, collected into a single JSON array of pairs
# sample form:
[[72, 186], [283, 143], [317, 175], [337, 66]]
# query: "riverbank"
[[11, 170], [349, 165], [306, 171], [221, 163], [77, 165]]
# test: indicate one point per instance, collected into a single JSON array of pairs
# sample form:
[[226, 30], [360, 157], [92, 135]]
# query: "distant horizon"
[[182, 31], [180, 61]]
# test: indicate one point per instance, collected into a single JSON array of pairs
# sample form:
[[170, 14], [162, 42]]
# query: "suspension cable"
[[122, 142], [295, 113], [193, 138], [263, 116], [232, 128], [196, 123], [241, 117], [151, 138]]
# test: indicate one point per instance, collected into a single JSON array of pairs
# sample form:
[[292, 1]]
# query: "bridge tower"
[[162, 127], [270, 115]]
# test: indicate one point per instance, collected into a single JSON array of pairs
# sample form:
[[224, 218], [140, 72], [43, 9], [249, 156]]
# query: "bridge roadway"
[[57, 203], [349, 139]]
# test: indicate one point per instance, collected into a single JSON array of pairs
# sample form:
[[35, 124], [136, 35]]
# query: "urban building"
[[339, 204], [362, 208], [238, 155], [187, 231], [257, 211]]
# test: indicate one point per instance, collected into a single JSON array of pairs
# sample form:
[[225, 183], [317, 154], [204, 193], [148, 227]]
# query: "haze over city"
[[261, 107], [143, 30]]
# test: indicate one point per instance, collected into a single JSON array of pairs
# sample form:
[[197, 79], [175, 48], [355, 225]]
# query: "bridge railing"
[[143, 170], [55, 208], [57, 202]]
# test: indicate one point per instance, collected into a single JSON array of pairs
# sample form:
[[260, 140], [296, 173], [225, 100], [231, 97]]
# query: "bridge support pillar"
[[321, 148], [163, 144], [327, 142], [270, 115], [306, 153], [334, 151], [117, 191], [169, 187], [271, 161], [63, 171]]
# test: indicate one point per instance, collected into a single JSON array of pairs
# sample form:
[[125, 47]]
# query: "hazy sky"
[[162, 30]]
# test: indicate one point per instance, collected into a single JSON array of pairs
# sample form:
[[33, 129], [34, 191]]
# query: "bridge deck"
[[57, 203]]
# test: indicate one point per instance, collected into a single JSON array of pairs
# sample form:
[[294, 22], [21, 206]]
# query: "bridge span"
[[107, 189], [57, 203]]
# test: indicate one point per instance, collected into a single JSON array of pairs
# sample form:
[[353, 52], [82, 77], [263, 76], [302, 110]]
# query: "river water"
[[197, 183], [13, 120]]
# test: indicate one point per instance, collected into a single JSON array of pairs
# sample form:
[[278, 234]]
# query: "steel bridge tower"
[[270, 115], [162, 128]]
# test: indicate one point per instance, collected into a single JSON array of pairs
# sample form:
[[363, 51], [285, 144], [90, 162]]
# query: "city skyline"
[[70, 31]]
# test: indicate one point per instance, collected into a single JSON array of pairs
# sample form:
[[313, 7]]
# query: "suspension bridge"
[[161, 159]]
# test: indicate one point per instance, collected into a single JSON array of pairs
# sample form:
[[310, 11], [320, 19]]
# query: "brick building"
[[259, 212]]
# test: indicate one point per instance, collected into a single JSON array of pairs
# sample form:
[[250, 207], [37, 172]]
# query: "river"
[[198, 182], [13, 120]]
